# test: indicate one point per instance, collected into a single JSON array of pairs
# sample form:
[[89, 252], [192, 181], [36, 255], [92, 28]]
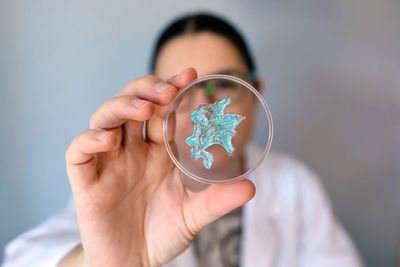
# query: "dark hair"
[[203, 22]]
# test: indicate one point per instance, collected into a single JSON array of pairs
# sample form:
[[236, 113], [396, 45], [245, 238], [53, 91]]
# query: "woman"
[[131, 206]]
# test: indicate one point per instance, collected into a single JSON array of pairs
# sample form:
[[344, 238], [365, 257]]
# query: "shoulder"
[[282, 168], [285, 178]]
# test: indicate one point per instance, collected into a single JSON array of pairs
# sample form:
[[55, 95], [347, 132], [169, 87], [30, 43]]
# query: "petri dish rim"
[[187, 87]]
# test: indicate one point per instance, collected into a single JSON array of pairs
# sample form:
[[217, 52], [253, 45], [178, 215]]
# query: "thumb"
[[212, 203]]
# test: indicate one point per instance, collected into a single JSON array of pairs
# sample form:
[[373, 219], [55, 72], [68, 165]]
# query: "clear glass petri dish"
[[210, 126]]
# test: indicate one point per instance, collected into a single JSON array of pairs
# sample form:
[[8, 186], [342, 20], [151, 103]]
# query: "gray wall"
[[332, 76]]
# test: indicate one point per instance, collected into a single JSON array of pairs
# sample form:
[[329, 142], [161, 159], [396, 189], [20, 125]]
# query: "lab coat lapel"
[[260, 233], [260, 240]]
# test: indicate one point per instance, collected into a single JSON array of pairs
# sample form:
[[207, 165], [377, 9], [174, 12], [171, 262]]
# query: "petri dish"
[[210, 126]]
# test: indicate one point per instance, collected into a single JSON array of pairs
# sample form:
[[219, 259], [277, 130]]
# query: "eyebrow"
[[228, 71], [249, 74]]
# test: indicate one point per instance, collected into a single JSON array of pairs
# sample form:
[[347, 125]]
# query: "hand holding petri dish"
[[208, 128]]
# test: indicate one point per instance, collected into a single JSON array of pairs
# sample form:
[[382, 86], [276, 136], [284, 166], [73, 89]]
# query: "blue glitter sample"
[[212, 126]]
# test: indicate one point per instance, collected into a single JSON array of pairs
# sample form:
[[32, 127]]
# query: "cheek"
[[184, 129], [244, 128], [244, 131]]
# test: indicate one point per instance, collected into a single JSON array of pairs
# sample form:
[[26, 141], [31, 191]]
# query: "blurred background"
[[332, 76]]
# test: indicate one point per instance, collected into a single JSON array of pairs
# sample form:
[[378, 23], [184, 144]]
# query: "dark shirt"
[[218, 244]]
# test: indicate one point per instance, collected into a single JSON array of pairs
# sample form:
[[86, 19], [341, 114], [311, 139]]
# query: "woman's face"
[[208, 53]]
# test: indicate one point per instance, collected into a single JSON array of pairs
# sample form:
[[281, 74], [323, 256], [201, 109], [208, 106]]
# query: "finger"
[[215, 201], [79, 157], [115, 111], [183, 78], [154, 127], [150, 88]]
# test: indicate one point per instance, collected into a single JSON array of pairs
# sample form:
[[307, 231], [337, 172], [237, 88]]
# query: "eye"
[[200, 85], [224, 85]]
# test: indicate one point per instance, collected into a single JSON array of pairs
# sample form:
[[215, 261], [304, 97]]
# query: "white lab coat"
[[288, 223]]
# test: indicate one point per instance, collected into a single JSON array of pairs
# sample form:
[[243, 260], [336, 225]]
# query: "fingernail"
[[179, 75], [102, 135], [162, 87], [139, 102]]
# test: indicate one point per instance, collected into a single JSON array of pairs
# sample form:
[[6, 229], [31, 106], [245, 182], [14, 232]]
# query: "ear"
[[259, 85]]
